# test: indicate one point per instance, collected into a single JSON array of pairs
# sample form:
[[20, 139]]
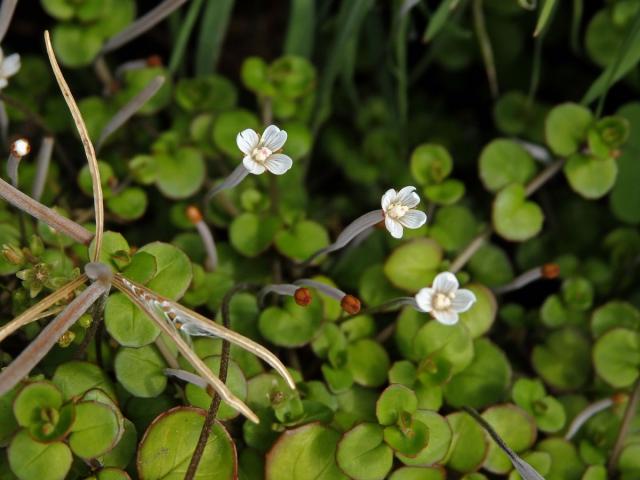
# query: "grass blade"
[[180, 45], [42, 167], [545, 16], [212, 32], [439, 19], [86, 142], [142, 24], [300, 31], [350, 18], [485, 47], [130, 109]]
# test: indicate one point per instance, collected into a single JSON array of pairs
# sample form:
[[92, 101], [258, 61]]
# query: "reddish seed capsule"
[[302, 296], [154, 61], [350, 304], [550, 270], [193, 214], [619, 398]]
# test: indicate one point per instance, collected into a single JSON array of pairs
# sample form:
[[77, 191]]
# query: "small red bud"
[[193, 214], [619, 398], [550, 270], [154, 61], [302, 296], [350, 304]]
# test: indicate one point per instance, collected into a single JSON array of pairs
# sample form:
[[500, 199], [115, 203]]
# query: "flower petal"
[[394, 227], [413, 219], [11, 65], [446, 317], [253, 166], [278, 163], [247, 140], [388, 198], [423, 299], [463, 300], [3, 83], [445, 282], [408, 197], [273, 138]]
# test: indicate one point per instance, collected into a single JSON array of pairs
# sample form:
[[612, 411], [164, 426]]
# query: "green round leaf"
[[565, 461], [393, 402], [515, 218], [482, 383], [227, 126], [292, 325], [440, 437], [368, 362], [491, 266], [127, 324], [563, 361], [162, 459], [60, 9], [95, 431], [120, 455], [301, 240], [446, 193], [129, 204], [515, 427], [182, 175], [33, 399], [236, 382], [416, 473], [251, 235], [481, 316], [362, 453], [454, 227], [589, 176], [141, 371], [75, 45], [305, 453], [30, 459], [566, 128], [413, 264], [469, 446], [173, 270], [616, 357], [430, 164], [452, 343], [206, 93], [614, 314], [503, 162], [75, 378]]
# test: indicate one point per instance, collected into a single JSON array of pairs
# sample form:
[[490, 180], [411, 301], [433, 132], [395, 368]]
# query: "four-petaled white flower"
[[9, 66], [444, 300], [398, 210], [261, 152]]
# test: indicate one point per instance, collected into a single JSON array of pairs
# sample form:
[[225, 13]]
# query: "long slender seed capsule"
[[42, 167], [142, 24], [349, 303], [195, 217], [50, 217], [33, 313], [538, 152], [145, 305], [301, 295], [88, 147], [231, 181], [356, 227], [4, 123], [39, 347], [584, 416], [187, 377], [548, 270], [19, 149], [526, 471], [130, 65], [201, 325], [6, 14], [130, 109]]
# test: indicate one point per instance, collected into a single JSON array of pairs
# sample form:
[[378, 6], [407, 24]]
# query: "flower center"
[[397, 210], [260, 154], [441, 301]]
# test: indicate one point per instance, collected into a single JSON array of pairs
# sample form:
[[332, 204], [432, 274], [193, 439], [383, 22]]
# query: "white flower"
[[9, 66], [398, 210], [20, 148], [444, 300], [260, 152]]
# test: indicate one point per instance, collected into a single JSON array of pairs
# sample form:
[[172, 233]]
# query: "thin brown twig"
[[629, 414], [224, 365]]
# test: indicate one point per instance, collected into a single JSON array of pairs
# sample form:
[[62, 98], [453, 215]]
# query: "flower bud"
[[20, 148], [302, 296], [13, 254], [66, 339], [350, 304], [154, 61], [194, 214], [36, 246], [550, 270]]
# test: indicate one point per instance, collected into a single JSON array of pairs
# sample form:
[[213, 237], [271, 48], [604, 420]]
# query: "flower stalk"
[[195, 217]]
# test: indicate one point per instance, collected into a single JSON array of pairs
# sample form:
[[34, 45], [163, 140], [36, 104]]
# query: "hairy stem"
[[215, 402]]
